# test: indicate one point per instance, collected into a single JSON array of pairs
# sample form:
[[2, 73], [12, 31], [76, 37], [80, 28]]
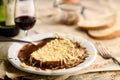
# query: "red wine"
[[25, 22]]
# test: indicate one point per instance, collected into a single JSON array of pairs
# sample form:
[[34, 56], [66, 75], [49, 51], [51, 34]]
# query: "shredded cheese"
[[60, 49]]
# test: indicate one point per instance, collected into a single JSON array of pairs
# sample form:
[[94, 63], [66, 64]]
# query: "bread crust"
[[104, 37], [57, 64]]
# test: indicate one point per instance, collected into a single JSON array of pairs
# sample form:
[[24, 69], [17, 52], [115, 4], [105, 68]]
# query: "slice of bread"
[[107, 33], [97, 23], [57, 54]]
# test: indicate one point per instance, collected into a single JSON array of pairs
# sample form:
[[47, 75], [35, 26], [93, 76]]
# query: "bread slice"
[[107, 33], [58, 53], [98, 23]]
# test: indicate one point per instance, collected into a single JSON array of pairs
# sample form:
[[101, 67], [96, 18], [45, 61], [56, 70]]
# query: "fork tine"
[[98, 46], [102, 50], [105, 53]]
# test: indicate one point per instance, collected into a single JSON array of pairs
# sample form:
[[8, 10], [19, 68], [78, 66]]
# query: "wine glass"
[[69, 11], [25, 15], [66, 5]]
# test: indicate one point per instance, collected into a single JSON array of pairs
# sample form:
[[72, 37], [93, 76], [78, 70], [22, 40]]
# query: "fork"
[[105, 53]]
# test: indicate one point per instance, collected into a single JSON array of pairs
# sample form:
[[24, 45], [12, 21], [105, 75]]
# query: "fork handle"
[[115, 60]]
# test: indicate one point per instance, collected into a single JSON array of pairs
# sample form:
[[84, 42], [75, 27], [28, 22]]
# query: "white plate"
[[15, 47]]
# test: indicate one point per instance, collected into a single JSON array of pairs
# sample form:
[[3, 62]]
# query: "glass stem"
[[26, 33]]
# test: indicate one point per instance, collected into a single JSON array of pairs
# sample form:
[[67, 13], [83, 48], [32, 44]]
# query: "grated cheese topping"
[[60, 49]]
